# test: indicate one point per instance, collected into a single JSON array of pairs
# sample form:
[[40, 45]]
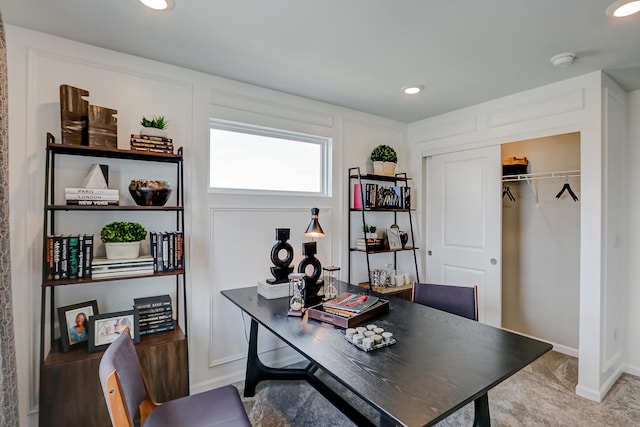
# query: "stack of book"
[[349, 304], [92, 196], [153, 144], [362, 243], [156, 314], [167, 250], [69, 256], [103, 268]]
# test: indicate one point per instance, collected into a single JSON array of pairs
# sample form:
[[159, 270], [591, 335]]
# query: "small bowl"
[[149, 192]]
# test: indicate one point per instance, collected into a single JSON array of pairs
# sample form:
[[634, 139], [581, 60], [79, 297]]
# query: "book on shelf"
[[93, 191], [117, 273], [102, 261], [143, 143], [93, 202], [351, 302], [156, 320], [70, 197], [152, 302], [364, 244], [136, 136], [64, 256], [153, 150], [179, 250], [145, 311], [168, 327], [357, 196], [88, 255], [167, 249], [387, 197], [74, 248]]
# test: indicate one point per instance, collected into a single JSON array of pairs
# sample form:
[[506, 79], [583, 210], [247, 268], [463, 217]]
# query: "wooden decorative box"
[[317, 312]]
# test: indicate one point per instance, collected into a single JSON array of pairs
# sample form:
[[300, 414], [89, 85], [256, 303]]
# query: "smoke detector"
[[563, 59]]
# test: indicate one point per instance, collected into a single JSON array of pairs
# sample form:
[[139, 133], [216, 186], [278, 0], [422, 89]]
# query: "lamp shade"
[[314, 229]]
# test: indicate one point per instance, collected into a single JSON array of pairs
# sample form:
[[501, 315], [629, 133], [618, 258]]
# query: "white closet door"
[[463, 225]]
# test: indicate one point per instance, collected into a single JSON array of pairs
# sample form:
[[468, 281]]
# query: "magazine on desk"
[[350, 303]]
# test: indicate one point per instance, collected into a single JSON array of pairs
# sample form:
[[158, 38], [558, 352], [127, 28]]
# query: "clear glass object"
[[331, 276], [296, 293]]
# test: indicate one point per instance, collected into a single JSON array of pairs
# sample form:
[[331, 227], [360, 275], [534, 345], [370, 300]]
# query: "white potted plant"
[[384, 160], [122, 239], [155, 127]]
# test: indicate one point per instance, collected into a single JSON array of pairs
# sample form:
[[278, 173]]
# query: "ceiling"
[[360, 53]]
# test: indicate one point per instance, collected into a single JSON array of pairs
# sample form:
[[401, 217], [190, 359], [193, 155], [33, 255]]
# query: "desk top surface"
[[440, 362]]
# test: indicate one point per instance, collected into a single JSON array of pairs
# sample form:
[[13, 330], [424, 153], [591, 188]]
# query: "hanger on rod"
[[567, 187], [507, 192]]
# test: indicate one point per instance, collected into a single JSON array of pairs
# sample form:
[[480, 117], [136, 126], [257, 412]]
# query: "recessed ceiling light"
[[623, 8], [563, 59], [412, 89], [158, 4]]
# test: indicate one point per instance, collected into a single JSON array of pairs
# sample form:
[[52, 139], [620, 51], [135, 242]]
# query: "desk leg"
[[257, 371], [482, 418]]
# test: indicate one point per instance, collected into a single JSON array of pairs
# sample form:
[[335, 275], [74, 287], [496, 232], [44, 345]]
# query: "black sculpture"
[[282, 265]]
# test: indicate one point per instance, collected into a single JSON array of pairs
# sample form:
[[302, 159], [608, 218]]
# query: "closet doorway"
[[541, 242]]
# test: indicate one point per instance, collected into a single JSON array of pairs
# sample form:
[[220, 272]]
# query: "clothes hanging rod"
[[540, 175]]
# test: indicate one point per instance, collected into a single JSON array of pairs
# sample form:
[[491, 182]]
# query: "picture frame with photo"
[[106, 328], [73, 321], [393, 238]]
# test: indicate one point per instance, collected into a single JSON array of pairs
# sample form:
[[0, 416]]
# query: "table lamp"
[[309, 249]]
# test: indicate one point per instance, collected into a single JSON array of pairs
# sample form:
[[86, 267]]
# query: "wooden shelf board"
[[113, 208], [63, 282], [82, 150], [372, 177]]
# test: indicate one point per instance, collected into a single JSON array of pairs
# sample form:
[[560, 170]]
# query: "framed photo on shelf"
[[74, 324], [393, 237], [106, 328]]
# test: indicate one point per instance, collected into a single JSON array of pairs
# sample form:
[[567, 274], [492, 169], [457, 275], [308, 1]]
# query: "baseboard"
[[569, 351], [588, 393], [238, 375], [632, 370]]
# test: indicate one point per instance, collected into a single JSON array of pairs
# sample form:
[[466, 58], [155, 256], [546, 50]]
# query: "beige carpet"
[[540, 395]]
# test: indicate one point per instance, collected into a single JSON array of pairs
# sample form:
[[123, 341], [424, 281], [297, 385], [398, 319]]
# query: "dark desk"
[[440, 362]]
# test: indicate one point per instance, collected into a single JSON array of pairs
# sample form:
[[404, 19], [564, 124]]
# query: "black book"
[[153, 247], [88, 254], [57, 255], [73, 256], [64, 257]]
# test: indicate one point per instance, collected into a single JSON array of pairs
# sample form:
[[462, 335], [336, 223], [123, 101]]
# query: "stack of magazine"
[[350, 304], [102, 268]]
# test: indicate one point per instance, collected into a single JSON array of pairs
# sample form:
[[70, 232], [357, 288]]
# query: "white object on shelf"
[[278, 290], [122, 250]]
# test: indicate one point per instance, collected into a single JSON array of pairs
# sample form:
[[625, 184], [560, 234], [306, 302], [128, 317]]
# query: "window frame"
[[324, 142]]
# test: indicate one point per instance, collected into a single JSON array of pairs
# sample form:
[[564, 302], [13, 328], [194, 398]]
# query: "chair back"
[[122, 382], [459, 300]]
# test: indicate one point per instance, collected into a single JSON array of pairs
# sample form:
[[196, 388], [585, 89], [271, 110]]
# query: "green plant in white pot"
[[122, 239], [384, 160], [155, 127]]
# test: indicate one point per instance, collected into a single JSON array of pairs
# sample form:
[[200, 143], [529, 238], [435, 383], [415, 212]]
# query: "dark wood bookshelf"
[[63, 282], [113, 208], [114, 153]]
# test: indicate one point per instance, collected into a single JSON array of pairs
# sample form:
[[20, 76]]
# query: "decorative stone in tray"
[[370, 338]]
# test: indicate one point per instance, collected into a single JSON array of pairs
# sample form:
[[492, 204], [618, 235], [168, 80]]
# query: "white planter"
[[384, 168], [122, 250], [388, 168], [378, 168], [153, 132]]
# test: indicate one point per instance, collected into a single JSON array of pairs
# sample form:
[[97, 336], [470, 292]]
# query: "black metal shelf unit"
[[355, 176], [51, 210]]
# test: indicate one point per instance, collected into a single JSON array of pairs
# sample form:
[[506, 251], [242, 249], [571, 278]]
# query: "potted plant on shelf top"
[[122, 239], [384, 160], [155, 127]]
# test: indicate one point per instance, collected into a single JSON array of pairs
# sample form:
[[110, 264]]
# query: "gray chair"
[[459, 300], [126, 394]]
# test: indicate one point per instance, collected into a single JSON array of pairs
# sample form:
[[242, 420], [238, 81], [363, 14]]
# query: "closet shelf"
[[530, 177], [540, 175]]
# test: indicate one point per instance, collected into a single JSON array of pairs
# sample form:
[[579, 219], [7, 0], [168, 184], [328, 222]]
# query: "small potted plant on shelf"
[[155, 127], [122, 239], [370, 231], [384, 160]]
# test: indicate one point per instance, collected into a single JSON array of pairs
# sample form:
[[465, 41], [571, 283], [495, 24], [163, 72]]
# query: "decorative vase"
[[153, 132], [122, 250], [147, 192]]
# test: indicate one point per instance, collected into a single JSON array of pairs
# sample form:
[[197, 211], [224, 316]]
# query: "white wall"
[[229, 237], [541, 245], [633, 296], [574, 105]]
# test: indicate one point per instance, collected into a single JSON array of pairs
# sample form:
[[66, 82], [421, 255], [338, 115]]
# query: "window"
[[252, 159]]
